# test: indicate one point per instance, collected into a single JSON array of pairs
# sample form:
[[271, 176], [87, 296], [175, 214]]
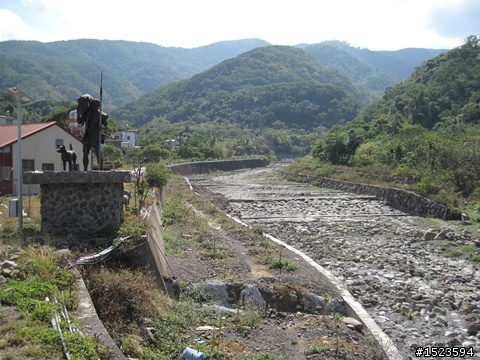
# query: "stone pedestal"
[[83, 203]]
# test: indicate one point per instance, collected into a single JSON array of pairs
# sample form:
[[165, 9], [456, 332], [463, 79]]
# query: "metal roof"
[[9, 133]]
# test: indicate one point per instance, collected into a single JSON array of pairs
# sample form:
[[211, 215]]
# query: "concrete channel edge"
[[353, 307]]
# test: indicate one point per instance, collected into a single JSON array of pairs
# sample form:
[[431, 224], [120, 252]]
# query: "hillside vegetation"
[[255, 89], [426, 127], [64, 70]]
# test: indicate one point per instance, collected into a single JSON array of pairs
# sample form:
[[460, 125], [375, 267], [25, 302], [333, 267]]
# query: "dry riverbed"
[[418, 296]]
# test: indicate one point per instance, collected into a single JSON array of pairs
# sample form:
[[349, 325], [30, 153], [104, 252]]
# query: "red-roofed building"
[[40, 142]]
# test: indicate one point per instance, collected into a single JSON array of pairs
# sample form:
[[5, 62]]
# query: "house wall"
[[41, 147], [129, 137]]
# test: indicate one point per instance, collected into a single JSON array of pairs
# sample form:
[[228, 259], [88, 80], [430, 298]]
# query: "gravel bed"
[[417, 296]]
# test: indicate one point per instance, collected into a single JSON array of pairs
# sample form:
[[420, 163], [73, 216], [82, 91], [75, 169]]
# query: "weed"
[[326, 299], [131, 346], [24, 294], [215, 354], [337, 320], [242, 329], [171, 328], [212, 210], [464, 251], [257, 231], [197, 295], [262, 356], [375, 352], [124, 297], [175, 243], [132, 226], [278, 264], [33, 294], [250, 317], [314, 349]]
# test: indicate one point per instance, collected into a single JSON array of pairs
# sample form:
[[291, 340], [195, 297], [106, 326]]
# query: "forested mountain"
[[257, 88], [64, 70], [374, 70], [400, 63], [442, 90], [374, 79], [426, 127]]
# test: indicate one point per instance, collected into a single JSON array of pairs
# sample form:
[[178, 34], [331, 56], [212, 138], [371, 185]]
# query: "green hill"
[[64, 70], [400, 63], [445, 88], [255, 89], [426, 127]]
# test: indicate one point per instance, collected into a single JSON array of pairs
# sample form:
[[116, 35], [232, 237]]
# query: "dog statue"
[[68, 156], [126, 199]]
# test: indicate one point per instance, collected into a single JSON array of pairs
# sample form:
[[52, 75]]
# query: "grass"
[[39, 289], [315, 349], [262, 356], [279, 264], [266, 255], [187, 228], [175, 243], [459, 251]]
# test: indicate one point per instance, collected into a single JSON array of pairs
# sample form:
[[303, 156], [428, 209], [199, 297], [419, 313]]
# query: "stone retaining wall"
[[403, 200], [205, 167], [80, 202]]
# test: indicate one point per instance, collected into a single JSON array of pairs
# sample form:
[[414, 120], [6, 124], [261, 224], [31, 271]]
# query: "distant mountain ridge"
[[401, 62], [374, 70], [64, 70]]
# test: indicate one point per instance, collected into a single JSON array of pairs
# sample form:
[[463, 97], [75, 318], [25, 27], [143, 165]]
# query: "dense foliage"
[[399, 63], [426, 127], [374, 79], [255, 89], [64, 70]]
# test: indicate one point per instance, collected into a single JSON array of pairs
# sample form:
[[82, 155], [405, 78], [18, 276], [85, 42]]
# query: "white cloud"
[[373, 24], [12, 27]]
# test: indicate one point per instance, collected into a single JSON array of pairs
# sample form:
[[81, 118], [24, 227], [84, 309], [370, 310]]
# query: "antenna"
[[100, 167]]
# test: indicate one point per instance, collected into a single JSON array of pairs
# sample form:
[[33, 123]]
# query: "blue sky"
[[372, 24]]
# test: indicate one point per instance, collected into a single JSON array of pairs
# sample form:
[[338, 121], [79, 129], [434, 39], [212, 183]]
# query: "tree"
[[154, 153], [157, 175], [113, 155]]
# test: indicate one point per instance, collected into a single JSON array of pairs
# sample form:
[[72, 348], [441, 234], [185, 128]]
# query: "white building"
[[129, 138]]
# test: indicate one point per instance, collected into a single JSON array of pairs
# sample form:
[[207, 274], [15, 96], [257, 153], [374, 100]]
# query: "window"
[[48, 167], [58, 143], [4, 173], [128, 137], [28, 165]]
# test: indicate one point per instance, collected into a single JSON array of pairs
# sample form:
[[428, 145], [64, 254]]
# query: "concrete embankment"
[[205, 167], [403, 200]]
